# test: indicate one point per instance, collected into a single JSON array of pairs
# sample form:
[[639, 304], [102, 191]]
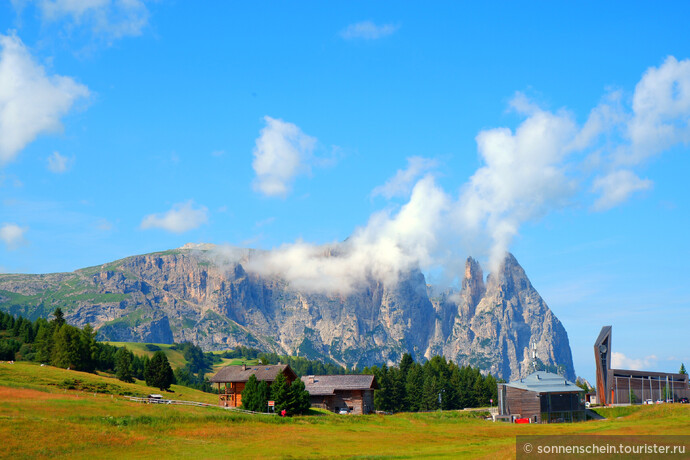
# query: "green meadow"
[[44, 413]]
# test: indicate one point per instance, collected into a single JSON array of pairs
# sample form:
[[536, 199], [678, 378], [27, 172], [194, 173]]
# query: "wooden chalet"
[[542, 397], [354, 393], [234, 378]]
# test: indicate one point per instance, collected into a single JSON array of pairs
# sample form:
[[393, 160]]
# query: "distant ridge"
[[185, 295]]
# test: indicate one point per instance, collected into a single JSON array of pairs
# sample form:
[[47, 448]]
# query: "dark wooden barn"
[[354, 393], [234, 378], [542, 397]]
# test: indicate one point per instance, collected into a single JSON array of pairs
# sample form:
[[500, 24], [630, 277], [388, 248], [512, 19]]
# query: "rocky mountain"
[[185, 295]]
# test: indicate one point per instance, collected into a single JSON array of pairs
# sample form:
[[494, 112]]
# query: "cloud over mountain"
[[545, 164]]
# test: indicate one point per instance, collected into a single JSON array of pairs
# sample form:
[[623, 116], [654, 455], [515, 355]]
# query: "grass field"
[[39, 419]]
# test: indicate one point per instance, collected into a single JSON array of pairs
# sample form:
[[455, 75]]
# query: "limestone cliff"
[[183, 295]]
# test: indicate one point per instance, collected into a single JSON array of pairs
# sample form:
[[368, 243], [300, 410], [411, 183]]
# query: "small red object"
[[521, 420], [283, 412]]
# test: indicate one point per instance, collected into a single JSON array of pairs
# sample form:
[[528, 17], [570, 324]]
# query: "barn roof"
[[329, 384], [242, 373], [545, 382]]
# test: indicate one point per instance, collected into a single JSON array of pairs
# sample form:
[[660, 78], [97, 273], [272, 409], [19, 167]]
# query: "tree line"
[[410, 386], [62, 345], [436, 384]]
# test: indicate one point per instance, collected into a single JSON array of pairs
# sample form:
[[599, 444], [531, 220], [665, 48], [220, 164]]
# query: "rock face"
[[182, 295]]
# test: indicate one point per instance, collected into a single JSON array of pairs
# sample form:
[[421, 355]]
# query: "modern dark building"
[[622, 386], [542, 397]]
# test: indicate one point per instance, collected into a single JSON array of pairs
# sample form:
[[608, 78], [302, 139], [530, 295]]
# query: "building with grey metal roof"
[[542, 397]]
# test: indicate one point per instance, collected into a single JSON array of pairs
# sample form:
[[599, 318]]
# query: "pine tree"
[[279, 392], [88, 349], [383, 398], [123, 365], [430, 392], [682, 369], [406, 362], [59, 317], [250, 393], [298, 398], [66, 351], [414, 387], [263, 393], [158, 373], [44, 343]]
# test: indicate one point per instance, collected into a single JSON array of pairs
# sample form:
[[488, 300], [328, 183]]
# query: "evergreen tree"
[[158, 373], [59, 317], [250, 394], [406, 362], [492, 388], [44, 343], [263, 393], [682, 369], [431, 392], [298, 398], [144, 364], [66, 351], [279, 392], [414, 387], [88, 349], [123, 365], [383, 398]]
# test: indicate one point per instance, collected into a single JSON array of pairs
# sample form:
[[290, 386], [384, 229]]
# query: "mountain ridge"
[[188, 294]]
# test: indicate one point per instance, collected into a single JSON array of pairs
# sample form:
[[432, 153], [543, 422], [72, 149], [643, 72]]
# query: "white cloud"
[[181, 218], [547, 163], [661, 110], [384, 248], [401, 184], [58, 163], [282, 152], [367, 30], [109, 18], [12, 235], [620, 361], [31, 102], [616, 187], [523, 177]]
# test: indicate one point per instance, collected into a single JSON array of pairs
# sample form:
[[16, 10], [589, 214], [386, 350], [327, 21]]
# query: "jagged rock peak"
[[473, 283], [201, 293]]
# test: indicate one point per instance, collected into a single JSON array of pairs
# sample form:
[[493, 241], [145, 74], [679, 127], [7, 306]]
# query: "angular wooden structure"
[[622, 386], [602, 356], [234, 378], [355, 393]]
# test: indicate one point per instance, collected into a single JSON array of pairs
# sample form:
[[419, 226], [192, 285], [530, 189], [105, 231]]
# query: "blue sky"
[[559, 132]]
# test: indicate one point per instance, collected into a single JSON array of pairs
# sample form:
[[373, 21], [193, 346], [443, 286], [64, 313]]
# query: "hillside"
[[187, 295], [39, 420]]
